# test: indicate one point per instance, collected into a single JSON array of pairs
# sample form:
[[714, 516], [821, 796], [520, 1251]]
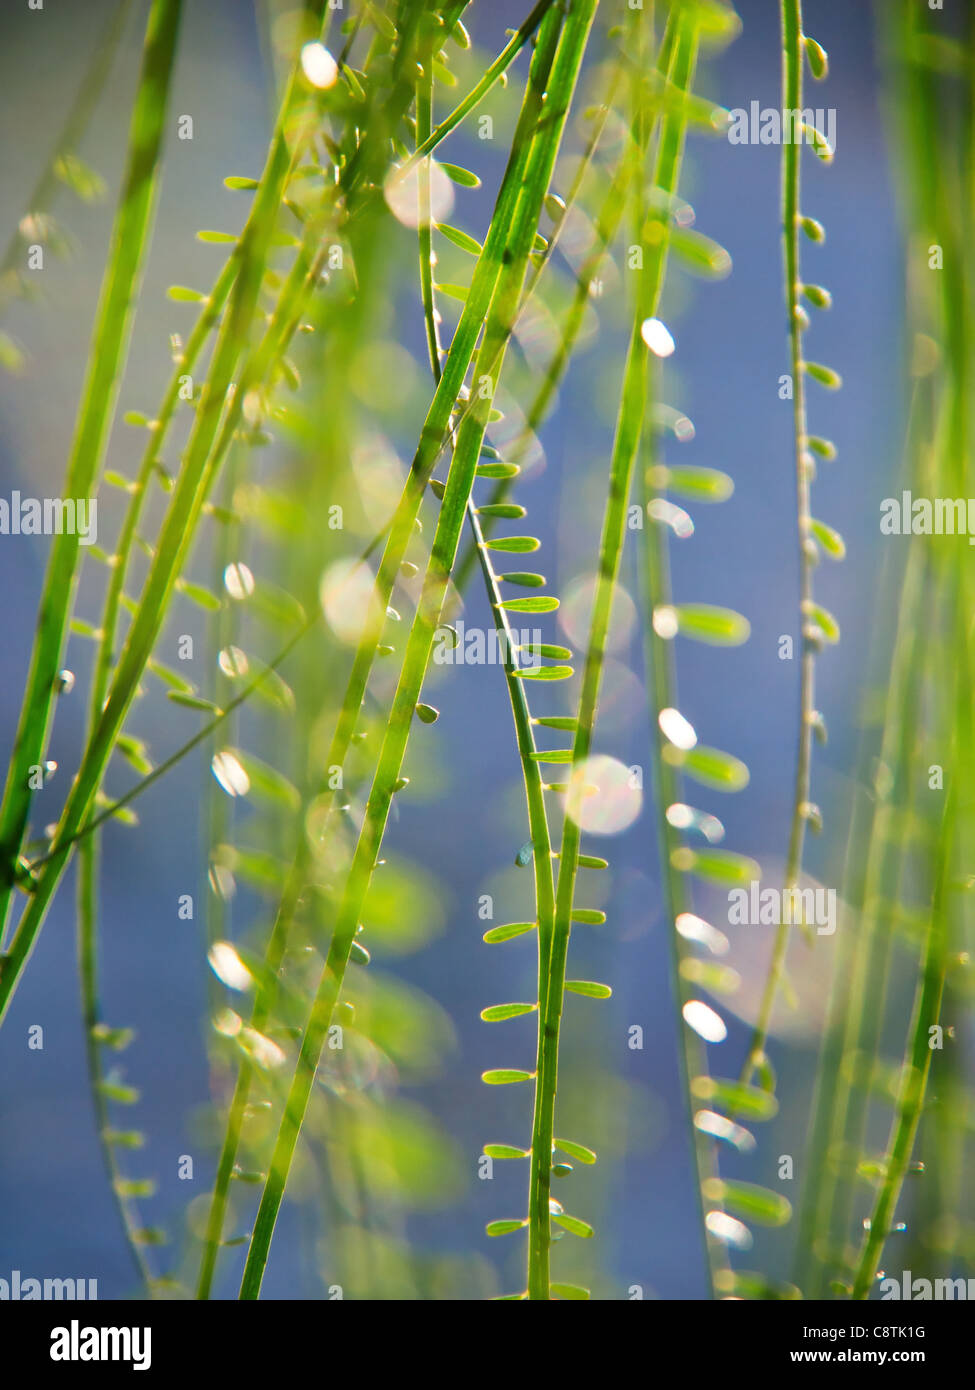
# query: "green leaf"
[[497, 1013], [823, 620], [427, 714], [553, 755], [818, 297], [700, 253], [75, 174], [150, 1235], [814, 230], [458, 33], [574, 1292], [510, 510], [716, 865], [589, 916], [454, 291], [735, 1099], [133, 750], [184, 295], [533, 605], [497, 470], [118, 1092], [574, 1150], [556, 721], [124, 1138], [220, 237], [592, 861], [115, 1038], [459, 238], [824, 375], [573, 1224], [170, 678], [825, 448], [589, 988], [710, 766], [505, 1076], [517, 544], [541, 673], [699, 484], [709, 975], [458, 175], [524, 578], [554, 653], [749, 1201], [505, 1151], [704, 622], [831, 541], [267, 783], [506, 932], [196, 593], [816, 57], [134, 1187], [503, 1228], [238, 181]]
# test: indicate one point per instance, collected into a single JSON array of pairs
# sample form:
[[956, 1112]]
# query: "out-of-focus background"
[[465, 827]]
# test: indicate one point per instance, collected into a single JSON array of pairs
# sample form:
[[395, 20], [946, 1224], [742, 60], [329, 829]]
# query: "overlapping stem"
[[533, 176], [215, 421], [110, 338]]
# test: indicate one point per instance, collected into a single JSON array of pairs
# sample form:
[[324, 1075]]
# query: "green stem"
[[219, 407], [791, 149], [109, 345], [518, 235]]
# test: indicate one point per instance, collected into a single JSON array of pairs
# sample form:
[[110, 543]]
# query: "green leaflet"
[[505, 933], [830, 540], [504, 1228], [578, 1151], [710, 766], [497, 1013], [573, 1224], [589, 988], [735, 1098], [461, 239], [749, 1201], [716, 866], [504, 1151], [719, 627], [464, 177], [699, 484]]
